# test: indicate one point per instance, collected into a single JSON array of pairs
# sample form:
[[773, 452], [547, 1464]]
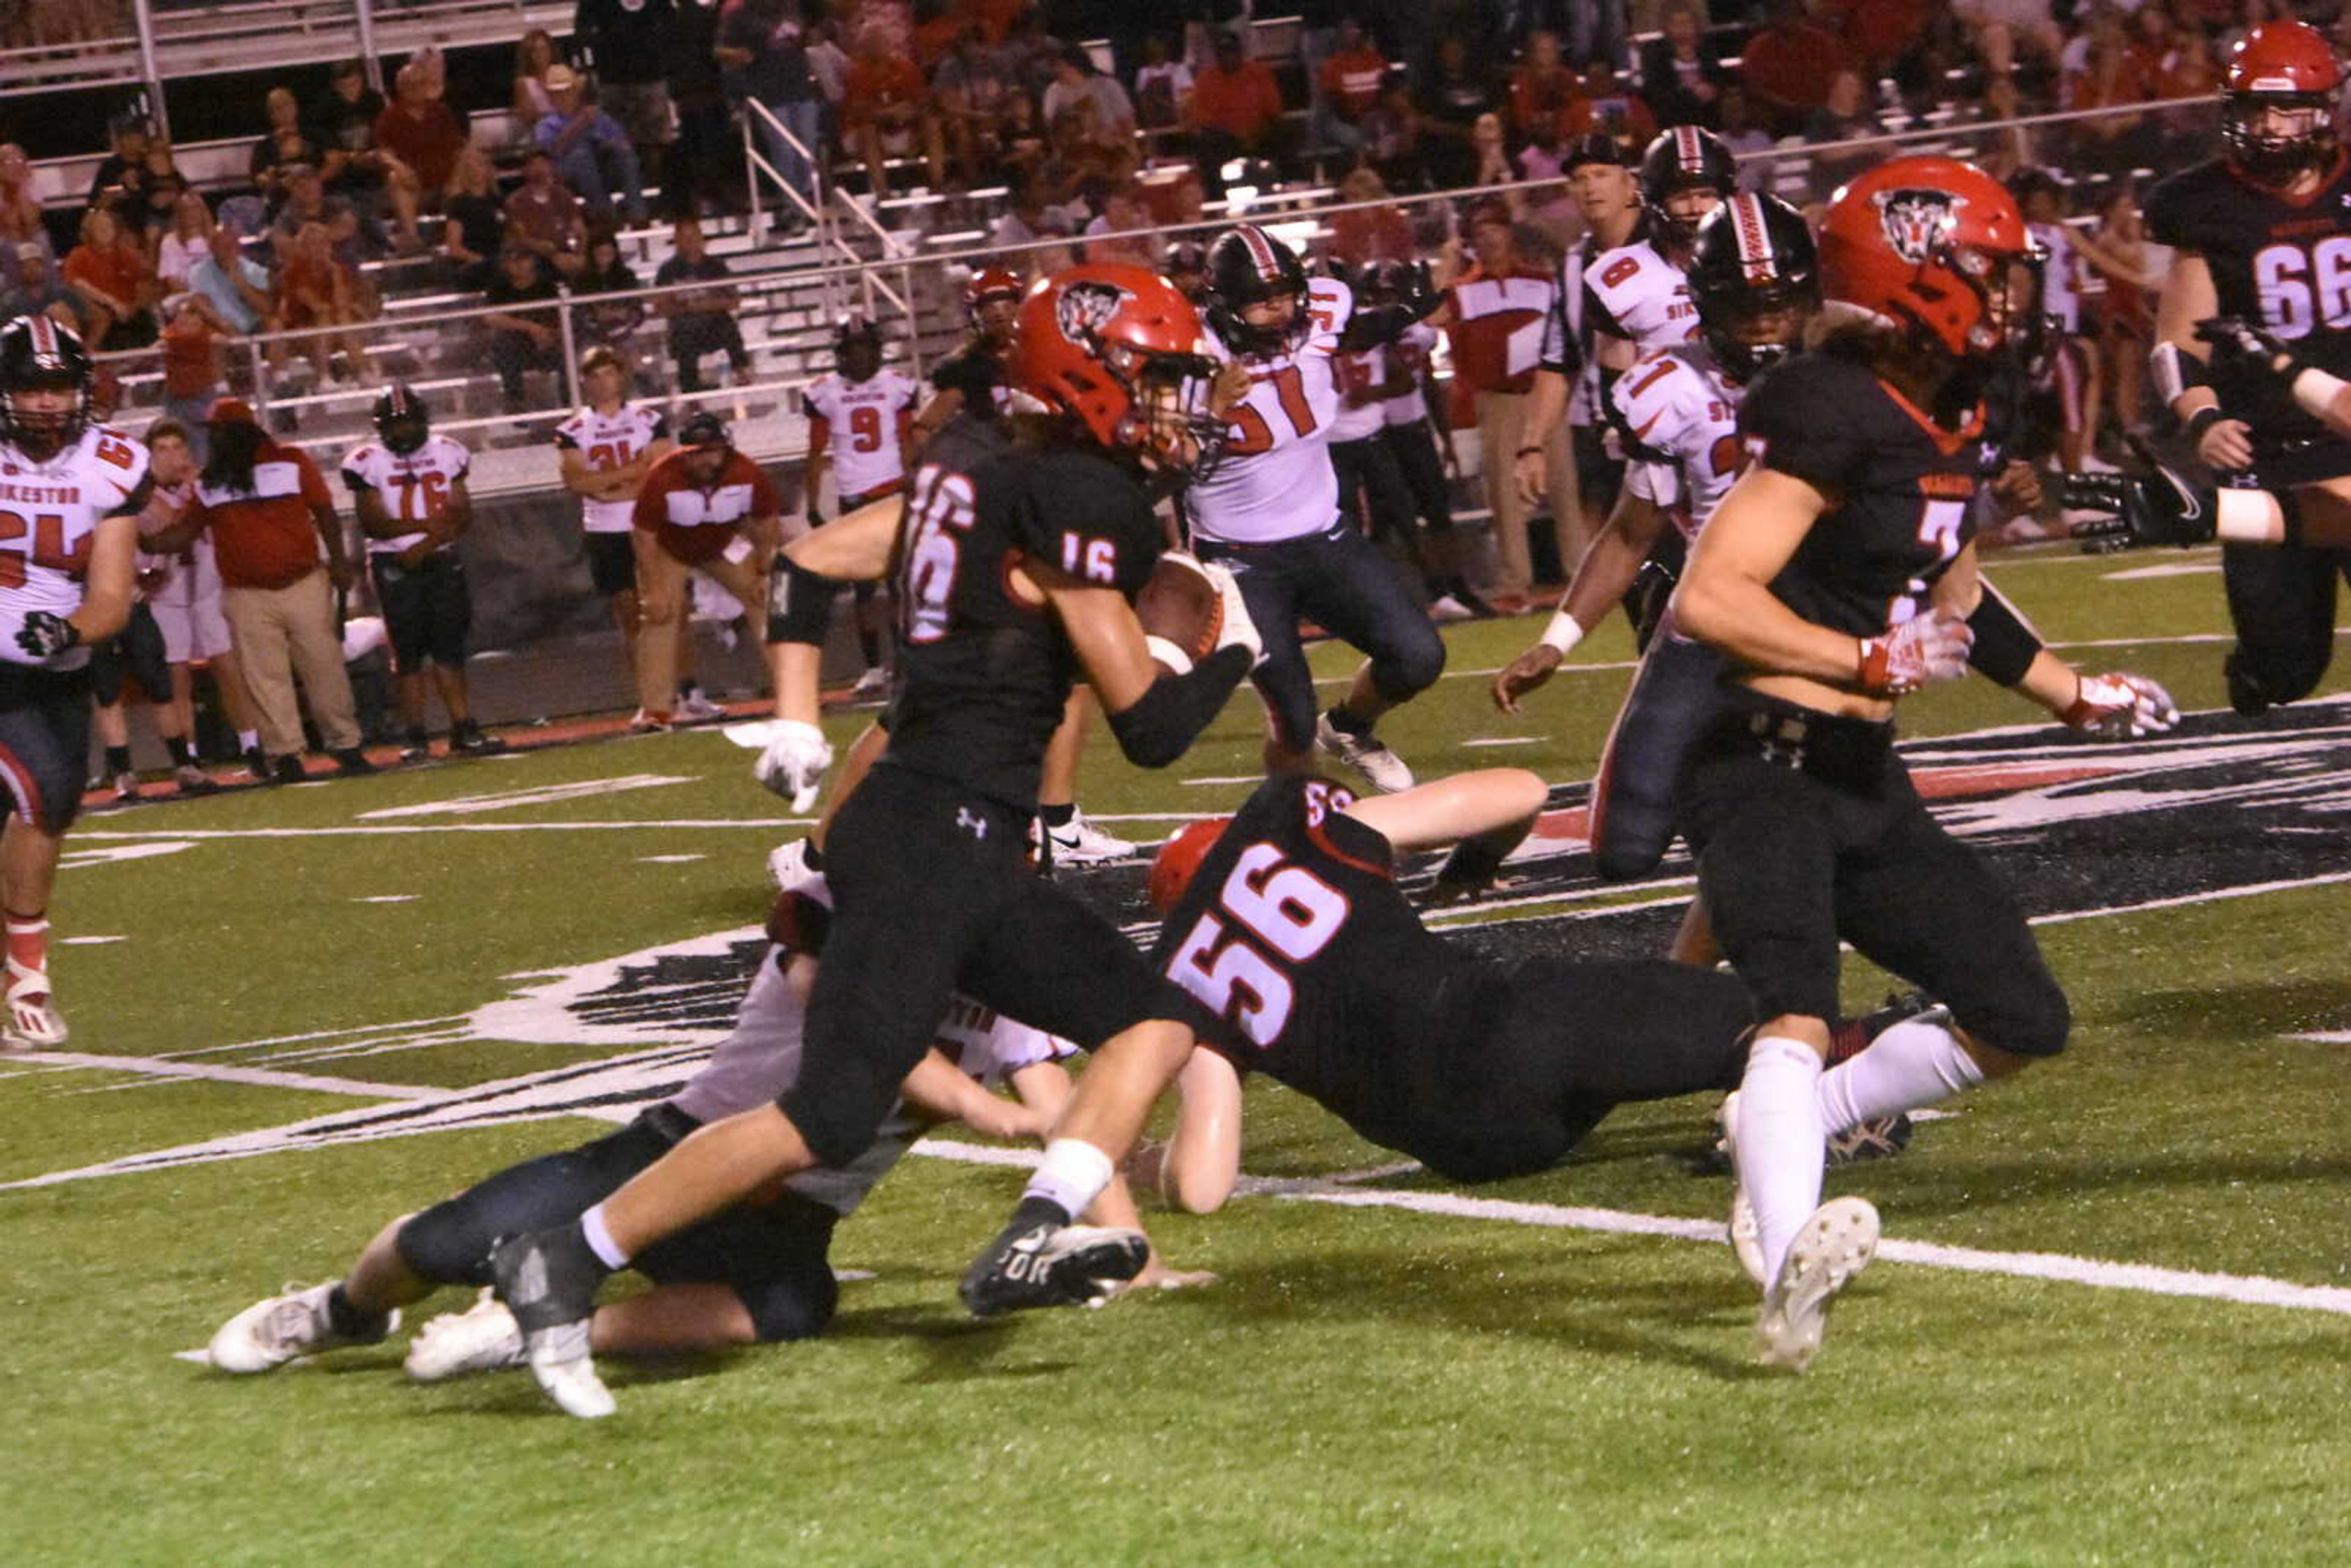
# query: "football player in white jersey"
[[859, 420], [70, 491], [2070, 375], [1629, 295], [606, 450], [1268, 507], [408, 487]]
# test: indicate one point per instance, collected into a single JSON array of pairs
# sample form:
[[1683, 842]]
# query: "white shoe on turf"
[[693, 707], [1834, 1247], [269, 1334], [485, 1339], [1367, 754], [1745, 1237], [1080, 842], [871, 686], [34, 1022]]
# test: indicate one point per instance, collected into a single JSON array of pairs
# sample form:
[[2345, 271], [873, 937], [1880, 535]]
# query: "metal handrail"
[[816, 211]]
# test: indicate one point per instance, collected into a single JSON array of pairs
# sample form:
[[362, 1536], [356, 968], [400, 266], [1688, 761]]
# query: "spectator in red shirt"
[[1235, 112], [886, 109], [1788, 66], [543, 218], [1544, 91], [1350, 82], [111, 281], [1370, 234]]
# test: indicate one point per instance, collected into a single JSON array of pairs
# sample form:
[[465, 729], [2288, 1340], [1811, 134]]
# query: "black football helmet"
[[38, 355], [402, 421], [1186, 267], [857, 349], [1384, 282], [1686, 159], [1753, 256], [1248, 267]]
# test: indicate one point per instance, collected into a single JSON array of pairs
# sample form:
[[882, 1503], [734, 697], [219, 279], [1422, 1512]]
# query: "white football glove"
[[1239, 631], [1933, 647], [2121, 707], [793, 764]]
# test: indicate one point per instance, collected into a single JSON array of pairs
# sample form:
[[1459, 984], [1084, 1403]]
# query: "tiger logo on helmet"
[[1118, 351]]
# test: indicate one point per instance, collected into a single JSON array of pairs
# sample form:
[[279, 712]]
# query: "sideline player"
[[2259, 233], [973, 376], [1838, 575], [1269, 509], [408, 489], [872, 407], [756, 1273], [605, 450], [705, 507], [1022, 546], [73, 489], [187, 607]]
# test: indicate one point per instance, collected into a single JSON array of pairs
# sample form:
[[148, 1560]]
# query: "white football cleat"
[[1834, 1247], [872, 686], [1080, 842], [484, 1338], [1745, 1237], [693, 707], [34, 1022], [269, 1334], [1368, 754], [559, 1359]]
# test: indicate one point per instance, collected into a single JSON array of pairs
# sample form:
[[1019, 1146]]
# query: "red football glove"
[[1933, 647], [2121, 707]]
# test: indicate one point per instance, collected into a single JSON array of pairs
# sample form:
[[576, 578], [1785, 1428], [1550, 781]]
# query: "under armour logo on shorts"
[[975, 825]]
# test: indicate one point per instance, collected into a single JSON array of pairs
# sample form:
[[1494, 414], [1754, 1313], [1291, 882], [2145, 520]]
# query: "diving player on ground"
[[1022, 546]]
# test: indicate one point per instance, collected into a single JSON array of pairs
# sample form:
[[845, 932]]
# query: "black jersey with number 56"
[[1898, 486], [1294, 935], [983, 673], [2282, 261]]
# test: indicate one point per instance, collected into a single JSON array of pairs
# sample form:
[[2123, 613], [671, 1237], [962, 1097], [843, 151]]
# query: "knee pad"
[[2035, 1021], [446, 1244], [797, 1308]]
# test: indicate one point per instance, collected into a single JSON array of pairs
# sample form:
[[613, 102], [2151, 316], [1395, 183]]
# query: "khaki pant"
[[1502, 431], [280, 632]]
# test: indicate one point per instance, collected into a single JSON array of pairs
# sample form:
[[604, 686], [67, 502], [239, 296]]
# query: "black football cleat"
[[548, 1279], [1036, 1263]]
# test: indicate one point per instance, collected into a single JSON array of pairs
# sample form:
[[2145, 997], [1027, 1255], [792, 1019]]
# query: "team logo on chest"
[[1918, 219]]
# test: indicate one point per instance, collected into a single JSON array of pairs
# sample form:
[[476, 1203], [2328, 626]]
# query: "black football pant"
[[2281, 602], [1808, 831], [773, 1256], [1339, 579], [428, 610], [933, 896], [44, 742], [1673, 697], [1415, 451]]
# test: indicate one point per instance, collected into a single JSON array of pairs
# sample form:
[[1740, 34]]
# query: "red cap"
[[230, 411]]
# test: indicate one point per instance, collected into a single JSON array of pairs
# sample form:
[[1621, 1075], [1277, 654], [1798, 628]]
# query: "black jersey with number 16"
[[983, 673], [1898, 486]]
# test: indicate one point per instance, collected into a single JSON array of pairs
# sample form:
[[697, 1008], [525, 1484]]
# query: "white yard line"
[[2250, 1290], [261, 1077]]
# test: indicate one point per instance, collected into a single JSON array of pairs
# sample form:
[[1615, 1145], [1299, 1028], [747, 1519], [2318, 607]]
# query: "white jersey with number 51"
[[1275, 480]]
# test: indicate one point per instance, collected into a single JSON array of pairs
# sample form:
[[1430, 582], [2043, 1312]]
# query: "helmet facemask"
[[1750, 329], [2276, 137], [1171, 423], [41, 434]]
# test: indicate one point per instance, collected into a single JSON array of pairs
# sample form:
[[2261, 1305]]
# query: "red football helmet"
[[1179, 861], [1926, 243], [2277, 102], [1118, 348]]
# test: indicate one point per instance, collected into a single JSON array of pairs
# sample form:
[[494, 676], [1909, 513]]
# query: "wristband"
[[1563, 632], [2202, 420]]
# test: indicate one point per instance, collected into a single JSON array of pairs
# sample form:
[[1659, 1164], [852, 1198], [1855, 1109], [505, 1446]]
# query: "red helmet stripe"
[[45, 336], [1755, 259], [1261, 252], [1689, 151]]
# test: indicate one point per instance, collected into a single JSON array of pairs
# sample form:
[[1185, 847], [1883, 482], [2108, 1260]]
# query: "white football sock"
[[1917, 1062], [1072, 1174], [1779, 1142], [600, 1239]]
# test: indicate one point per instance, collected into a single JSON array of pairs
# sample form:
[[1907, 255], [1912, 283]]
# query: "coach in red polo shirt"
[[705, 507], [279, 547]]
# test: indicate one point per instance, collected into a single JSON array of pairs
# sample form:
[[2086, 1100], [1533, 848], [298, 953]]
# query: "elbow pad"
[[2005, 644], [800, 603], [1154, 729], [2174, 371]]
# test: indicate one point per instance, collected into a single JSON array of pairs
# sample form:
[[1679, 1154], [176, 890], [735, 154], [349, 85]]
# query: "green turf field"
[[2110, 1326]]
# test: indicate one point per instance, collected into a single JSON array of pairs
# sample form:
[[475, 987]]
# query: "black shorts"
[[612, 561], [1342, 581], [44, 742], [774, 1257], [933, 896], [1808, 831], [134, 653], [428, 610], [1547, 1047]]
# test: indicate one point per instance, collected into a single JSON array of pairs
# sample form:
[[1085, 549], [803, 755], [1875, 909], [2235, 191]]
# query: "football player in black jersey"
[[973, 376], [1023, 542], [1838, 575], [2263, 233]]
